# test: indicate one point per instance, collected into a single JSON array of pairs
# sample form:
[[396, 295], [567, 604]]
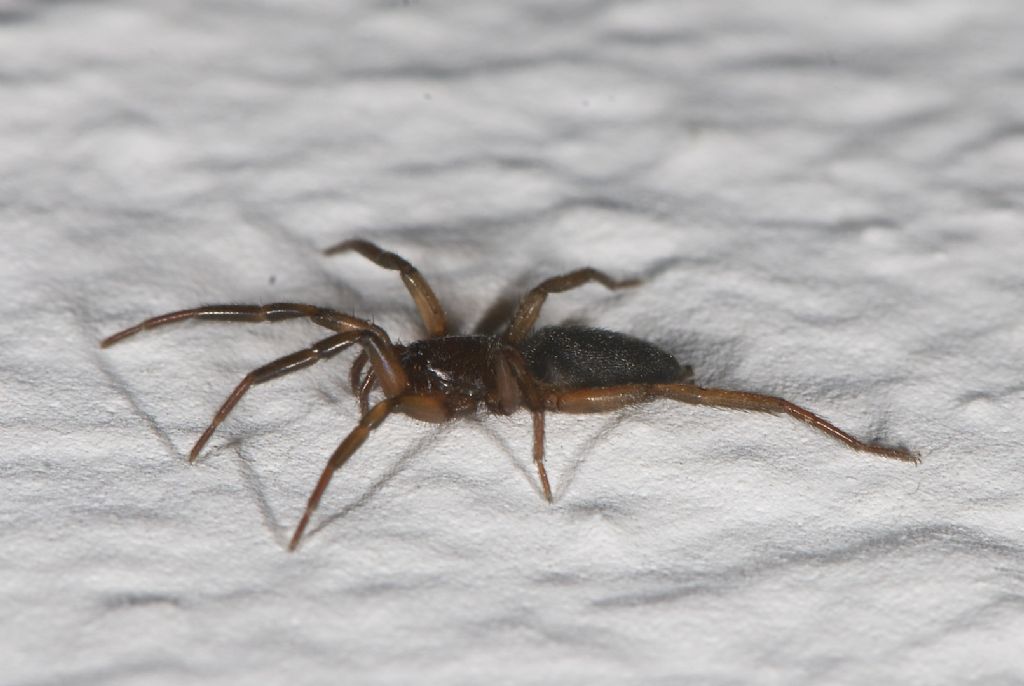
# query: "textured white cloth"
[[824, 202]]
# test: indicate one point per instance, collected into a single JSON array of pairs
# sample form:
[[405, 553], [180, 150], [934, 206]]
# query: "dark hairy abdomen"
[[581, 357]]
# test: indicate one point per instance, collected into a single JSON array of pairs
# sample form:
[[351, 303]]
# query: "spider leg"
[[432, 408], [355, 373], [370, 421], [362, 385], [529, 307], [614, 397], [426, 302], [234, 313], [374, 340], [364, 392], [514, 385], [321, 350], [538, 453]]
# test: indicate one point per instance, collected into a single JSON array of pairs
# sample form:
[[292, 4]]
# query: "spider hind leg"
[[614, 397]]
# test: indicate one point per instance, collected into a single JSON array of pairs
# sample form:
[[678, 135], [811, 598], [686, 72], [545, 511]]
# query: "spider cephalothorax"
[[444, 376]]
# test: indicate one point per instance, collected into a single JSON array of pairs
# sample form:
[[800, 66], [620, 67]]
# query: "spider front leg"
[[529, 307], [377, 348], [375, 341], [321, 350], [426, 302], [614, 397], [274, 312]]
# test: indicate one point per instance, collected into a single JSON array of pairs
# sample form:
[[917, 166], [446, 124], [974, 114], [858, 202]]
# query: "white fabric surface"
[[824, 200]]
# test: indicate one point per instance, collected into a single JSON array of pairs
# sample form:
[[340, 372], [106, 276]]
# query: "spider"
[[445, 376]]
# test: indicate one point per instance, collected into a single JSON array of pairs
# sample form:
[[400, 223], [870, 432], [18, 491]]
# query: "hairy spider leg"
[[355, 372], [374, 340], [362, 385], [364, 391], [425, 407], [529, 307], [321, 350], [615, 397], [426, 302]]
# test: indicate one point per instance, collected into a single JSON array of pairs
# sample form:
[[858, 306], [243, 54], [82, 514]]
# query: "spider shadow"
[[122, 387], [525, 469], [498, 315], [528, 470], [255, 484], [421, 445], [584, 452], [252, 482], [396, 468]]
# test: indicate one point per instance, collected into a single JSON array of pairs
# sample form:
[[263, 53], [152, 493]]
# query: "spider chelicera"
[[444, 376]]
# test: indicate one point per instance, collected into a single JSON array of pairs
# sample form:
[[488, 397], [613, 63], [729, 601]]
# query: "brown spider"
[[558, 368]]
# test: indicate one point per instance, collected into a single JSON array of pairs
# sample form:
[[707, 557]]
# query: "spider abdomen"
[[582, 357]]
